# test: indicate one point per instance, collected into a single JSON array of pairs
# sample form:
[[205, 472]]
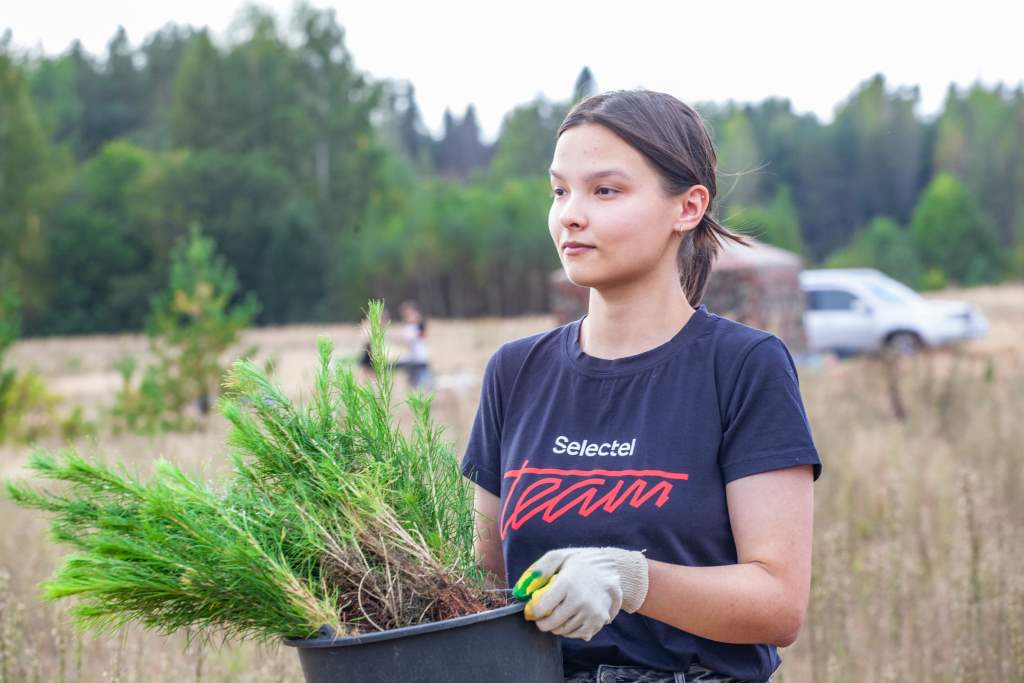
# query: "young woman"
[[650, 465]]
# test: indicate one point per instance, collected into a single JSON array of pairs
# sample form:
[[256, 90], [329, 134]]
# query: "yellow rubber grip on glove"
[[528, 610]]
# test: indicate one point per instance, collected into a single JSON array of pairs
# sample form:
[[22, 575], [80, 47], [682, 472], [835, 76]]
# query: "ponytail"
[[697, 253]]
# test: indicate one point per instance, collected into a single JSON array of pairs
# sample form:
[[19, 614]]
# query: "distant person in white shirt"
[[416, 358]]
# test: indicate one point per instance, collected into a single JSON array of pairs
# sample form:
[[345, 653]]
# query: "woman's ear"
[[692, 207]]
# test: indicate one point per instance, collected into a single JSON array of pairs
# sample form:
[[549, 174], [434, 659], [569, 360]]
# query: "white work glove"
[[574, 592]]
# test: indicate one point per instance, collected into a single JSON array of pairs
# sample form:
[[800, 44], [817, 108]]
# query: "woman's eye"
[[558, 192]]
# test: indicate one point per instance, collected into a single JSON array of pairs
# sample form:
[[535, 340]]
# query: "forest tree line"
[[322, 188]]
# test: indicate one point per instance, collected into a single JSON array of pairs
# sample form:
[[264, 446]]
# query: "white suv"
[[855, 310]]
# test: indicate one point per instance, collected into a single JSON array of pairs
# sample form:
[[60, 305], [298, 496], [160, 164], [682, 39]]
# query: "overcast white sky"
[[497, 55]]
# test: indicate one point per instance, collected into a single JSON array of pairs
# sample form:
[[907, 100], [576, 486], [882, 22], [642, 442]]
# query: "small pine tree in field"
[[190, 325], [28, 409], [194, 321], [141, 409], [9, 327]]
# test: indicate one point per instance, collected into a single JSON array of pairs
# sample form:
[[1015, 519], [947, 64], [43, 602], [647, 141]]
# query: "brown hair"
[[674, 139]]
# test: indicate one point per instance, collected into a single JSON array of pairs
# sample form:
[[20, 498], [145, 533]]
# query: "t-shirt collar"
[[641, 361]]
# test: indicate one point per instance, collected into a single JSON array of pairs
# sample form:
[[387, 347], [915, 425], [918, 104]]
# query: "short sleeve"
[[481, 463], [765, 424]]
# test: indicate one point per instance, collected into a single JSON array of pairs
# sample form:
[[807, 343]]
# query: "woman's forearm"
[[489, 558], [738, 603], [486, 539]]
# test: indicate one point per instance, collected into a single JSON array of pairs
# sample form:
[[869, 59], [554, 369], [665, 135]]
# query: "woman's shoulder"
[[523, 346], [512, 355], [741, 351], [737, 350], [732, 339]]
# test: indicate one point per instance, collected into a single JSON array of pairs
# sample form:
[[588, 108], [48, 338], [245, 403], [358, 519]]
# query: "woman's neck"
[[626, 321]]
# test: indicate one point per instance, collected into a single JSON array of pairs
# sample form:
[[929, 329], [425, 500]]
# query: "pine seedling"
[[332, 517], [168, 553]]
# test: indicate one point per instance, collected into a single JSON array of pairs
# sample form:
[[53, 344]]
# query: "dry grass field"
[[918, 524]]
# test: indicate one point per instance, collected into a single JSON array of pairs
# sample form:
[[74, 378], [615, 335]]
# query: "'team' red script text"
[[555, 493]]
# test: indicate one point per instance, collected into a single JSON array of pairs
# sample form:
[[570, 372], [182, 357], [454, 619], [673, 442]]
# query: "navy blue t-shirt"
[[635, 453]]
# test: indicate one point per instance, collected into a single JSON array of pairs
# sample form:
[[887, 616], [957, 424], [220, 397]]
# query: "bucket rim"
[[328, 640]]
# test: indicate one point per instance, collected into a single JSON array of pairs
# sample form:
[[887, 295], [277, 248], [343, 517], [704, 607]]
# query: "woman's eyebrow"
[[596, 174]]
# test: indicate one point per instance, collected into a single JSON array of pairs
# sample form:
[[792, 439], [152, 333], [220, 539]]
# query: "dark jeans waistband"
[[629, 674]]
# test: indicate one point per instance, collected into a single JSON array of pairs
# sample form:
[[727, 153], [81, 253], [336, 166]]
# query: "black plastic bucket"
[[493, 646]]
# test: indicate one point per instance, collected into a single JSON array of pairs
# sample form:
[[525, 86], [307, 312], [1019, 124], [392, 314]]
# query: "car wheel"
[[904, 343]]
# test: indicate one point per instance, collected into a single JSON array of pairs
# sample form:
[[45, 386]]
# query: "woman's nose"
[[571, 214]]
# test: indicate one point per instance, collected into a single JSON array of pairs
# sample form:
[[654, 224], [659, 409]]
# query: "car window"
[[829, 300], [894, 291], [887, 294]]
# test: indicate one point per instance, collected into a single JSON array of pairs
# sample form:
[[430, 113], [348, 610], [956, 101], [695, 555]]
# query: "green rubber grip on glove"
[[531, 581]]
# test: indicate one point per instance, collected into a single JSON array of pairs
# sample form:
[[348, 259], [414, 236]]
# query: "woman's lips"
[[573, 251]]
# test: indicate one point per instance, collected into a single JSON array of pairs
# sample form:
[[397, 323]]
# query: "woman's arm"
[[763, 598], [486, 540]]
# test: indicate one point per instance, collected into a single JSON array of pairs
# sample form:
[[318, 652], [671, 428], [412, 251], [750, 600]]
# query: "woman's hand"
[[582, 589]]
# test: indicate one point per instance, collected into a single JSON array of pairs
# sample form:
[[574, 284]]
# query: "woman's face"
[[605, 194]]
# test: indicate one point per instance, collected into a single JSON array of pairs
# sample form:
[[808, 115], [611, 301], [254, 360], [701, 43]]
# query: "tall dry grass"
[[918, 524]]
